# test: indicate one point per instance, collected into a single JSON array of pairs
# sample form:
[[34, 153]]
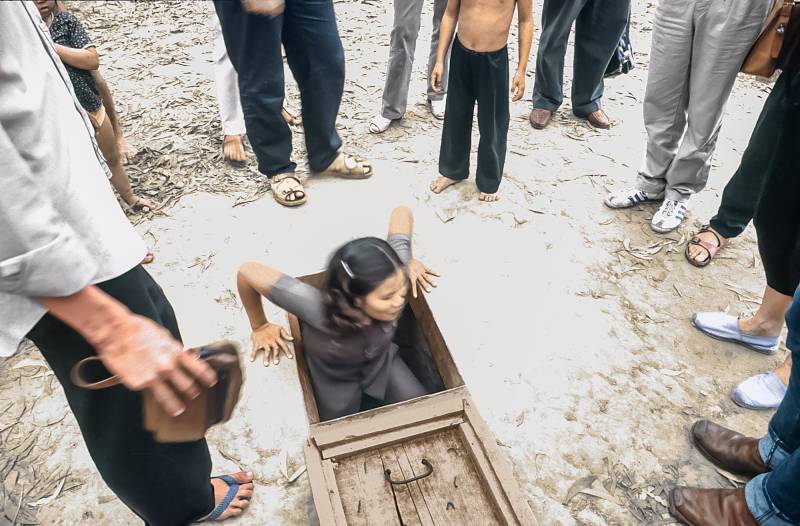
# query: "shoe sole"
[[750, 407], [646, 201], [760, 350], [663, 230]]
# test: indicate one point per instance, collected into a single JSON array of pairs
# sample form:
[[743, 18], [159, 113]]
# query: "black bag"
[[622, 59]]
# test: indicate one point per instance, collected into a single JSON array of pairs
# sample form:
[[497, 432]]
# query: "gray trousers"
[[697, 50], [407, 19], [598, 27]]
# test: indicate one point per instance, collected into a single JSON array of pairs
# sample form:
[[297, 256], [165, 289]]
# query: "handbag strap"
[[77, 378]]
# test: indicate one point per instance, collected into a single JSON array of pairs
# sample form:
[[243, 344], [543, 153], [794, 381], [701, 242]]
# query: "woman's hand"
[[271, 338], [420, 276]]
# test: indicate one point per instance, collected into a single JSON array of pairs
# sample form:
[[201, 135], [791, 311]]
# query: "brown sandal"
[[711, 250], [349, 167], [288, 196]]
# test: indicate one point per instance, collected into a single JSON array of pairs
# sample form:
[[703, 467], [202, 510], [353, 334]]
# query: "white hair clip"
[[347, 269]]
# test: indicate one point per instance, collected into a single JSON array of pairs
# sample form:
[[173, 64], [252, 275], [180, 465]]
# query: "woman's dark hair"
[[356, 269]]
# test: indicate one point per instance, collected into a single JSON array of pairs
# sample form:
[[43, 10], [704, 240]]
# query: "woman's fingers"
[[275, 352], [431, 271], [267, 355], [286, 336], [282, 345]]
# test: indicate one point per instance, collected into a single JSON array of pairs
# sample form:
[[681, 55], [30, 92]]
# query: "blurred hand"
[[437, 76], [518, 86], [420, 276], [271, 338], [264, 7], [145, 356]]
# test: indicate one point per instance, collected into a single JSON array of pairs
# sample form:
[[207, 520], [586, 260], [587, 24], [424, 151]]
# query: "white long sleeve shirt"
[[61, 227]]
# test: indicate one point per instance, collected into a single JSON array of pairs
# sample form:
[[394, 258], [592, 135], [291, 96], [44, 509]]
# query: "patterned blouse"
[[67, 30]]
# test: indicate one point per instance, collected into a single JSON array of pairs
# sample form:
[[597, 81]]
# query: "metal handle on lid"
[[388, 475]]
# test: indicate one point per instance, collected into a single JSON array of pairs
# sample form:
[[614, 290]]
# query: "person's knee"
[[405, 36]]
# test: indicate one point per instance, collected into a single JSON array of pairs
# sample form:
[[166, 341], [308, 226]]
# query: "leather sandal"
[[349, 167], [710, 249], [286, 194]]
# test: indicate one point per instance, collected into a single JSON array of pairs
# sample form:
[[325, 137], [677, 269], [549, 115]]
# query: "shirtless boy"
[[479, 72]]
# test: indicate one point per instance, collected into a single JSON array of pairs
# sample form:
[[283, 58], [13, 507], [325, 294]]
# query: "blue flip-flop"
[[233, 489]]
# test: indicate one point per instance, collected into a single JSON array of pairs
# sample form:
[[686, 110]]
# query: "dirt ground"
[[569, 321]]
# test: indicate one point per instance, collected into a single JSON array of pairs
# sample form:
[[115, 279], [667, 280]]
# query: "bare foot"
[[126, 151], [488, 198], [148, 258], [242, 498], [138, 203], [233, 148], [698, 253], [441, 183], [755, 327], [291, 118]]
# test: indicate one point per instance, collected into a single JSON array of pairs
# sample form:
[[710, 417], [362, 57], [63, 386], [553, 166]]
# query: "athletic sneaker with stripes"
[[630, 197], [668, 217]]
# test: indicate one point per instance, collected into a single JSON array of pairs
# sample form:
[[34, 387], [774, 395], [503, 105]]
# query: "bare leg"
[[784, 370], [768, 320], [119, 177]]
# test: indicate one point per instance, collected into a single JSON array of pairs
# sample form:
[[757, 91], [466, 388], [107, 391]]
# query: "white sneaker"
[[437, 107], [630, 197], [668, 217]]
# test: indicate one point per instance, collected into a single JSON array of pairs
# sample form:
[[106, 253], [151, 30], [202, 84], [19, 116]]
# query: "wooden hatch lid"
[[429, 461]]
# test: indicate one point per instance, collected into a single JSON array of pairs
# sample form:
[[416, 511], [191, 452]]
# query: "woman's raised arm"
[[402, 221]]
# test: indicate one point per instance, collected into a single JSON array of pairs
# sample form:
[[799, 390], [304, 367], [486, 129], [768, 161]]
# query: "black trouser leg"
[[491, 79], [253, 43], [164, 484], [557, 19], [316, 57], [598, 28], [742, 194], [777, 218], [459, 111]]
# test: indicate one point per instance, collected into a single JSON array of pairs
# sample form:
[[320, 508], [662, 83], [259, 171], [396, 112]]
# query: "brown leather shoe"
[[728, 449], [710, 507], [599, 119], [540, 118]]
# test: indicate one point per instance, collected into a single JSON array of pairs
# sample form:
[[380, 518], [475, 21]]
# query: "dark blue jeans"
[[774, 498], [307, 29]]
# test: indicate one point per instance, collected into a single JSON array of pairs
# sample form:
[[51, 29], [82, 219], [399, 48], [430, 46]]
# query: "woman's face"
[[386, 302], [46, 7]]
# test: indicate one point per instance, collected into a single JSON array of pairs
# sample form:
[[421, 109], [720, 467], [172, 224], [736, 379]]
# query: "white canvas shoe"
[[762, 391], [668, 217], [437, 107], [630, 197]]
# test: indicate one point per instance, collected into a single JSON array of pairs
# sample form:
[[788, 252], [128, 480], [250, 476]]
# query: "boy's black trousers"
[[482, 77]]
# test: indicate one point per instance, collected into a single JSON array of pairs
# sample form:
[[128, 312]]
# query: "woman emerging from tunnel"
[[348, 325]]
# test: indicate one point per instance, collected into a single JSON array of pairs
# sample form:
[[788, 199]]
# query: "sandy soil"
[[569, 322]]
